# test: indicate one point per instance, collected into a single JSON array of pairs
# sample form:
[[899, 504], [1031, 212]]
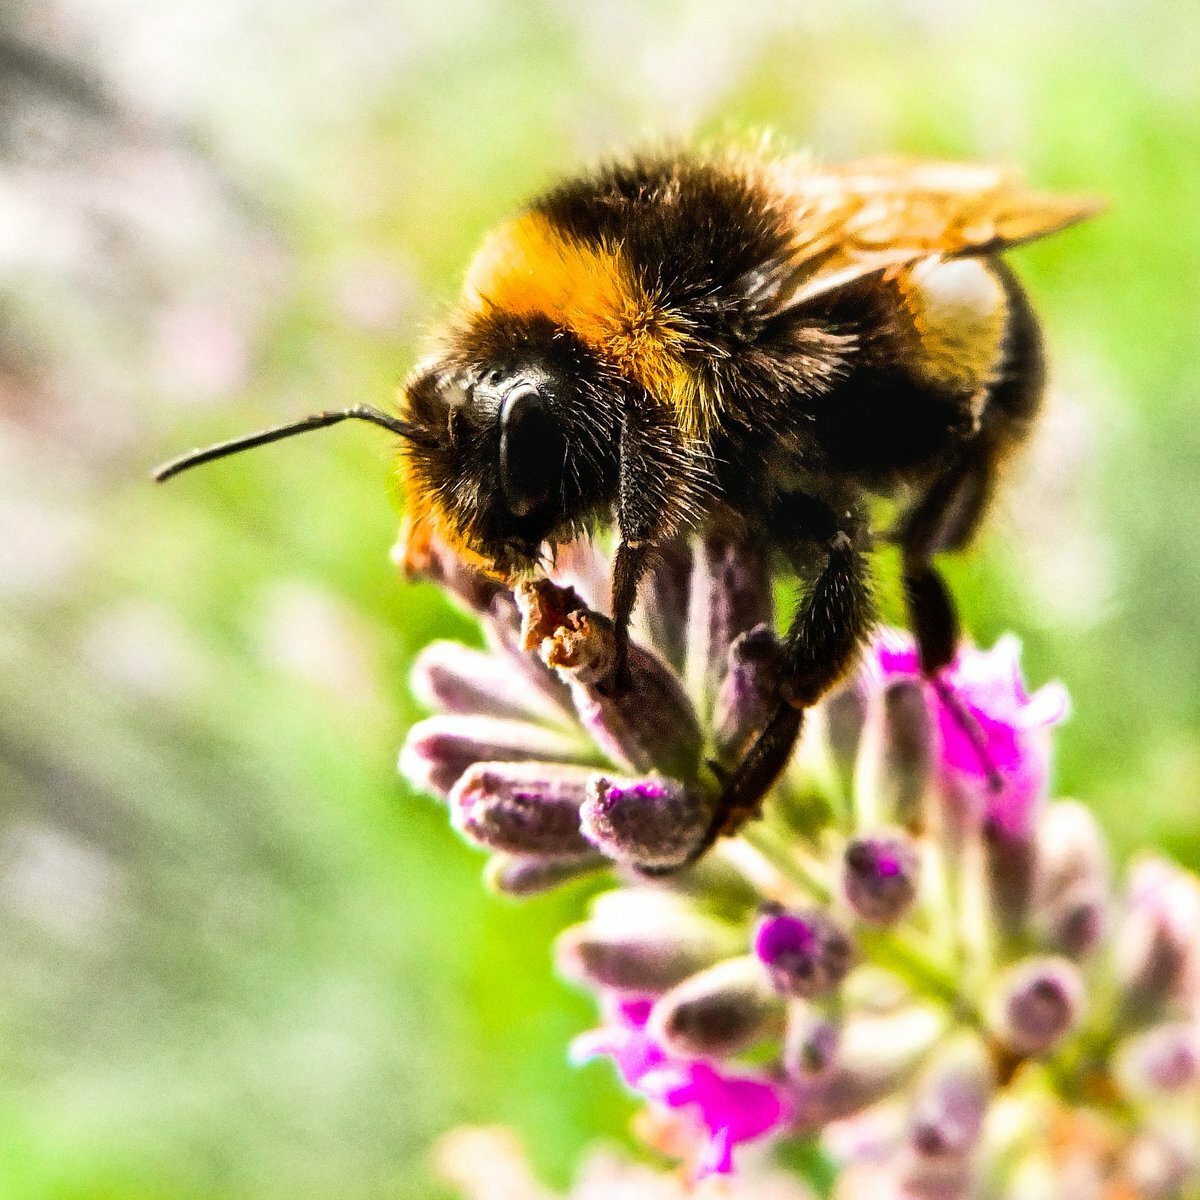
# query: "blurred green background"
[[237, 958]]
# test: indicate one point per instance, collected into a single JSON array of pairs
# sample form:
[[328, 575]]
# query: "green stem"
[[777, 852], [922, 973]]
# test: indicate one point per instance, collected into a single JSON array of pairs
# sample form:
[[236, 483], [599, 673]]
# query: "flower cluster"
[[914, 956]]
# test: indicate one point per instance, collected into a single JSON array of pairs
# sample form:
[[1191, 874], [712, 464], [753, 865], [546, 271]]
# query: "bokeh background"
[[237, 958]]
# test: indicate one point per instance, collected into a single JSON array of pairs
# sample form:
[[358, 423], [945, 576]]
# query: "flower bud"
[[439, 749], [951, 1101], [806, 953], [749, 692], [639, 943], [731, 593], [845, 716], [1037, 1004], [1009, 859], [666, 601], [521, 875], [524, 808], [651, 725], [907, 740], [1156, 942], [1162, 1060], [875, 1056], [1071, 879], [454, 678], [503, 630], [719, 1012], [880, 874], [810, 1045], [652, 824]]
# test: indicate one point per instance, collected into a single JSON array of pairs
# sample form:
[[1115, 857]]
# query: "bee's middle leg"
[[821, 647]]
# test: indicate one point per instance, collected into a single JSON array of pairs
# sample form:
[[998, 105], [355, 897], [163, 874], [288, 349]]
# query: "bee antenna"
[[357, 412]]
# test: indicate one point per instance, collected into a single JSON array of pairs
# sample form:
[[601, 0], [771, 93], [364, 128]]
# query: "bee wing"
[[875, 215]]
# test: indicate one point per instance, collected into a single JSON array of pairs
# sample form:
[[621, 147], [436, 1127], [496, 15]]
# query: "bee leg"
[[945, 520], [654, 493], [629, 565], [821, 646]]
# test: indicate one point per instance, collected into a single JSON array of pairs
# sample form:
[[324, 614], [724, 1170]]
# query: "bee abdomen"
[[953, 315]]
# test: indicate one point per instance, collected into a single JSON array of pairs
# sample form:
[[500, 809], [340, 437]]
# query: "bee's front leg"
[[629, 565], [656, 490]]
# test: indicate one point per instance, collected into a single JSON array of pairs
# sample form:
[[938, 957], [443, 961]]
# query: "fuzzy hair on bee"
[[739, 342]]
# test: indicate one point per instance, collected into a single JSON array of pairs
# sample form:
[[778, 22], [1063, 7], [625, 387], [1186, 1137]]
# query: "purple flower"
[[1037, 1004], [910, 839], [879, 876], [1157, 955], [728, 1109], [649, 823], [806, 954], [1012, 726]]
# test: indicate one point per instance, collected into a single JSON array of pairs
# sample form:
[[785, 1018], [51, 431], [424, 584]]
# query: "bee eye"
[[532, 449]]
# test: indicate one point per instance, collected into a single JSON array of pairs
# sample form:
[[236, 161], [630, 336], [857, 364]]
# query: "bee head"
[[509, 442], [512, 454]]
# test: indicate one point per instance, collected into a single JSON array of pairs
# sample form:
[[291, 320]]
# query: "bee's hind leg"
[[821, 646], [945, 519]]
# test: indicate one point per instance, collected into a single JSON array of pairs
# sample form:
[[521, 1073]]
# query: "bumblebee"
[[741, 342]]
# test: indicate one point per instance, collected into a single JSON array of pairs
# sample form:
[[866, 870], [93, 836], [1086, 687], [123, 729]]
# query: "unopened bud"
[[524, 808], [845, 715], [951, 1101], [810, 1046], [1162, 1060], [1010, 869], [641, 943], [946, 1122], [718, 1012], [906, 753], [653, 824], [876, 1055], [1156, 942], [806, 953], [880, 874], [648, 725], [664, 606], [1076, 924], [503, 629], [749, 692], [439, 749], [731, 593], [521, 875], [1037, 1004], [1071, 879], [456, 679]]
